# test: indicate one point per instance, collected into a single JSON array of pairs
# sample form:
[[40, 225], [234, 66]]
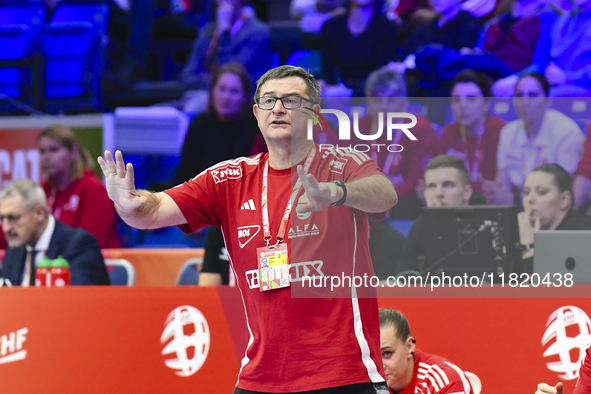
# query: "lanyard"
[[264, 201], [476, 158]]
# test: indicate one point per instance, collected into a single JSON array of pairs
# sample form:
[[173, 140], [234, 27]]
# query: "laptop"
[[563, 251]]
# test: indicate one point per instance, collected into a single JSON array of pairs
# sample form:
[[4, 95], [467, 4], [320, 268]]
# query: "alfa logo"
[[566, 351], [186, 336]]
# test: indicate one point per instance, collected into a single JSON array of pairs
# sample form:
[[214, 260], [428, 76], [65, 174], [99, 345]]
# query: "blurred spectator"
[[541, 135], [234, 36], [548, 202], [386, 92], [474, 136], [569, 70], [409, 370], [33, 233], [582, 183], [313, 13], [454, 29], [521, 37], [568, 66], [226, 130], [355, 44], [447, 185], [75, 195]]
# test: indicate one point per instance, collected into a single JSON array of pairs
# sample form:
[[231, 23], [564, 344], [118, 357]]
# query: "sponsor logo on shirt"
[[302, 201], [297, 273], [248, 206], [303, 231], [72, 205], [227, 172], [246, 233], [337, 165], [311, 269]]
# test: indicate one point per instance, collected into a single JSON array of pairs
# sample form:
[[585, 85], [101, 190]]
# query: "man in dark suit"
[[33, 233]]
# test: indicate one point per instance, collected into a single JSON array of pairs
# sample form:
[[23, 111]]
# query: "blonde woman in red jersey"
[[411, 371], [75, 195]]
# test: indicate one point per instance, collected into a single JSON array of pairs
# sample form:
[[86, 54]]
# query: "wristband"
[[341, 184], [526, 247]]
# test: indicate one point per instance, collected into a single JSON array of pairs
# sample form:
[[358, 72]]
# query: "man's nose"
[[279, 108]]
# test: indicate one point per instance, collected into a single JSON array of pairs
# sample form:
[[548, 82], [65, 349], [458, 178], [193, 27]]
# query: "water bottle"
[[60, 272], [43, 272]]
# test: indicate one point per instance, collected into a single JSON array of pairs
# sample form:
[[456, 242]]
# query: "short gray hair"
[[31, 192], [313, 87], [385, 78]]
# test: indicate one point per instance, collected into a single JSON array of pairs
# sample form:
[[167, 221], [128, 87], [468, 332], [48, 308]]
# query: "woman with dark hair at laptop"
[[548, 201]]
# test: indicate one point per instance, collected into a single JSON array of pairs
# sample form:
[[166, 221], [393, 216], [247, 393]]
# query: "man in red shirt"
[[298, 343], [474, 135]]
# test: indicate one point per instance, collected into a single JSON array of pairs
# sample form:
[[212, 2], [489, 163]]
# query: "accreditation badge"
[[273, 267]]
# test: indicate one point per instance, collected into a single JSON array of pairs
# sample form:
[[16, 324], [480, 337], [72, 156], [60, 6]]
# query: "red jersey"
[[584, 167], [296, 344], [3, 243], [407, 167], [479, 153], [584, 382], [436, 375], [84, 203]]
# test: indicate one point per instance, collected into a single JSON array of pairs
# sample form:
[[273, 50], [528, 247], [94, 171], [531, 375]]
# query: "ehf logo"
[[568, 332], [189, 331]]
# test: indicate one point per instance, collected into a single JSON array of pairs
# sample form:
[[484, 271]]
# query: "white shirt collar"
[[43, 242]]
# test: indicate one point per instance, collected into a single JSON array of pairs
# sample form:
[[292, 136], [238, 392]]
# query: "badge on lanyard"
[[273, 267]]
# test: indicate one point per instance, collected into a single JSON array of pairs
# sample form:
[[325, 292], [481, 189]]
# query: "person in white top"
[[540, 136]]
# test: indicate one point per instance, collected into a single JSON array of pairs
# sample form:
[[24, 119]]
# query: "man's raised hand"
[[320, 194], [119, 181]]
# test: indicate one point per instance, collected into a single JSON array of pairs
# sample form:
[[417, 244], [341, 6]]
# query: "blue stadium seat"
[[121, 272], [189, 273], [73, 44], [307, 59], [19, 31]]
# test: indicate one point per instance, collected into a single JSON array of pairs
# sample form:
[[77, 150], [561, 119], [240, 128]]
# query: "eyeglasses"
[[12, 219], [289, 102]]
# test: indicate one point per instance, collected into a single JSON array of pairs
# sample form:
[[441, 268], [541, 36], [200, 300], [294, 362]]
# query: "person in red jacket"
[[583, 175], [411, 371], [75, 195], [474, 136]]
